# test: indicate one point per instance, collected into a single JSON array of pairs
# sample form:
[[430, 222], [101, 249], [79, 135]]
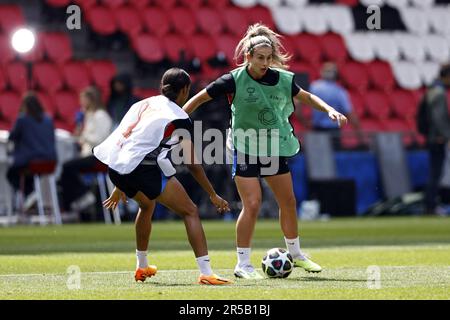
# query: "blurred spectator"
[[186, 63], [121, 98], [33, 136], [336, 96], [438, 135], [96, 126]]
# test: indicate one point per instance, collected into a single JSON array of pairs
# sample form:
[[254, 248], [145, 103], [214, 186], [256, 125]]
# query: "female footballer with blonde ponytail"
[[262, 92]]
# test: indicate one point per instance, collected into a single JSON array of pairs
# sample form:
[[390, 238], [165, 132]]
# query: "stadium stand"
[[385, 71], [393, 63]]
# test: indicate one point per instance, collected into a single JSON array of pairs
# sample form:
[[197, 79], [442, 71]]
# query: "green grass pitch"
[[411, 254]]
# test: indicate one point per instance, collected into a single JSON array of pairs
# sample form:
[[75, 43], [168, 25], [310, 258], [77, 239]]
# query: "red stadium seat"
[[113, 4], [260, 14], [227, 44], [10, 105], [289, 46], [165, 4], [235, 20], [302, 67], [358, 103], [145, 92], [203, 47], [85, 4], [209, 21], [299, 129], [7, 54], [67, 106], [401, 126], [183, 21], [76, 75], [333, 47], [105, 92], [396, 124], [139, 4], [173, 44], [148, 48], [351, 3], [3, 80], [156, 21], [403, 103], [4, 124], [419, 139], [354, 75], [349, 137], [371, 125], [17, 76], [47, 103], [193, 4], [381, 76], [377, 104], [35, 55], [57, 46], [218, 4], [101, 72], [308, 47], [448, 97], [418, 94], [47, 76], [58, 3], [209, 73], [128, 20], [11, 17], [101, 20]]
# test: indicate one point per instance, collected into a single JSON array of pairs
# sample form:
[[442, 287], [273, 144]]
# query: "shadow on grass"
[[319, 279], [161, 284]]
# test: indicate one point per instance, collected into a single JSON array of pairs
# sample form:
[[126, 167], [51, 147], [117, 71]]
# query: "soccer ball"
[[277, 263]]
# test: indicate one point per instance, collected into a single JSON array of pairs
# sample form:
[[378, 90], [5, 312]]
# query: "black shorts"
[[250, 166], [147, 179]]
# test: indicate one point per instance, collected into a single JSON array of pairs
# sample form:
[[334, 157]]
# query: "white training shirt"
[[139, 133]]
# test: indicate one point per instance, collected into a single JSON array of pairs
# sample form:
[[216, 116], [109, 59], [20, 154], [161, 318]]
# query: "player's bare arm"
[[317, 103], [199, 175], [196, 101]]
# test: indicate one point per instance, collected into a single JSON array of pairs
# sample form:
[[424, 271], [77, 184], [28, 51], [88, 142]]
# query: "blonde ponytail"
[[259, 35]]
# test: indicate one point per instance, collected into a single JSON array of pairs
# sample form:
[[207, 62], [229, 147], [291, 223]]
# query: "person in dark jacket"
[[121, 98], [438, 137], [33, 136]]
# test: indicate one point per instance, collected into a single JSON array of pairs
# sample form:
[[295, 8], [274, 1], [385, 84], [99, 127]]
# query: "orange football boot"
[[144, 273], [213, 280]]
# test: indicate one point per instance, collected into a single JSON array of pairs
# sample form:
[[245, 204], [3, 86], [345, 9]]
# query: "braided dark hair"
[[173, 81]]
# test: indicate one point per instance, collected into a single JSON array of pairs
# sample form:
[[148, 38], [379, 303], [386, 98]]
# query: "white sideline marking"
[[362, 268], [98, 272]]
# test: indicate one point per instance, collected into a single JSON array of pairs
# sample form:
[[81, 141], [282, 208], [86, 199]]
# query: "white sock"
[[293, 246], [142, 261], [204, 265], [243, 255]]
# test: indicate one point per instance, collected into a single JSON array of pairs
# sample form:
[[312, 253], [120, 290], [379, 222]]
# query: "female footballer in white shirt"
[[139, 166]]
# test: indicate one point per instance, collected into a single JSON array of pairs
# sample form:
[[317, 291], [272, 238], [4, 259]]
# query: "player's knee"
[[252, 206], [191, 210], [145, 206], [291, 202]]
